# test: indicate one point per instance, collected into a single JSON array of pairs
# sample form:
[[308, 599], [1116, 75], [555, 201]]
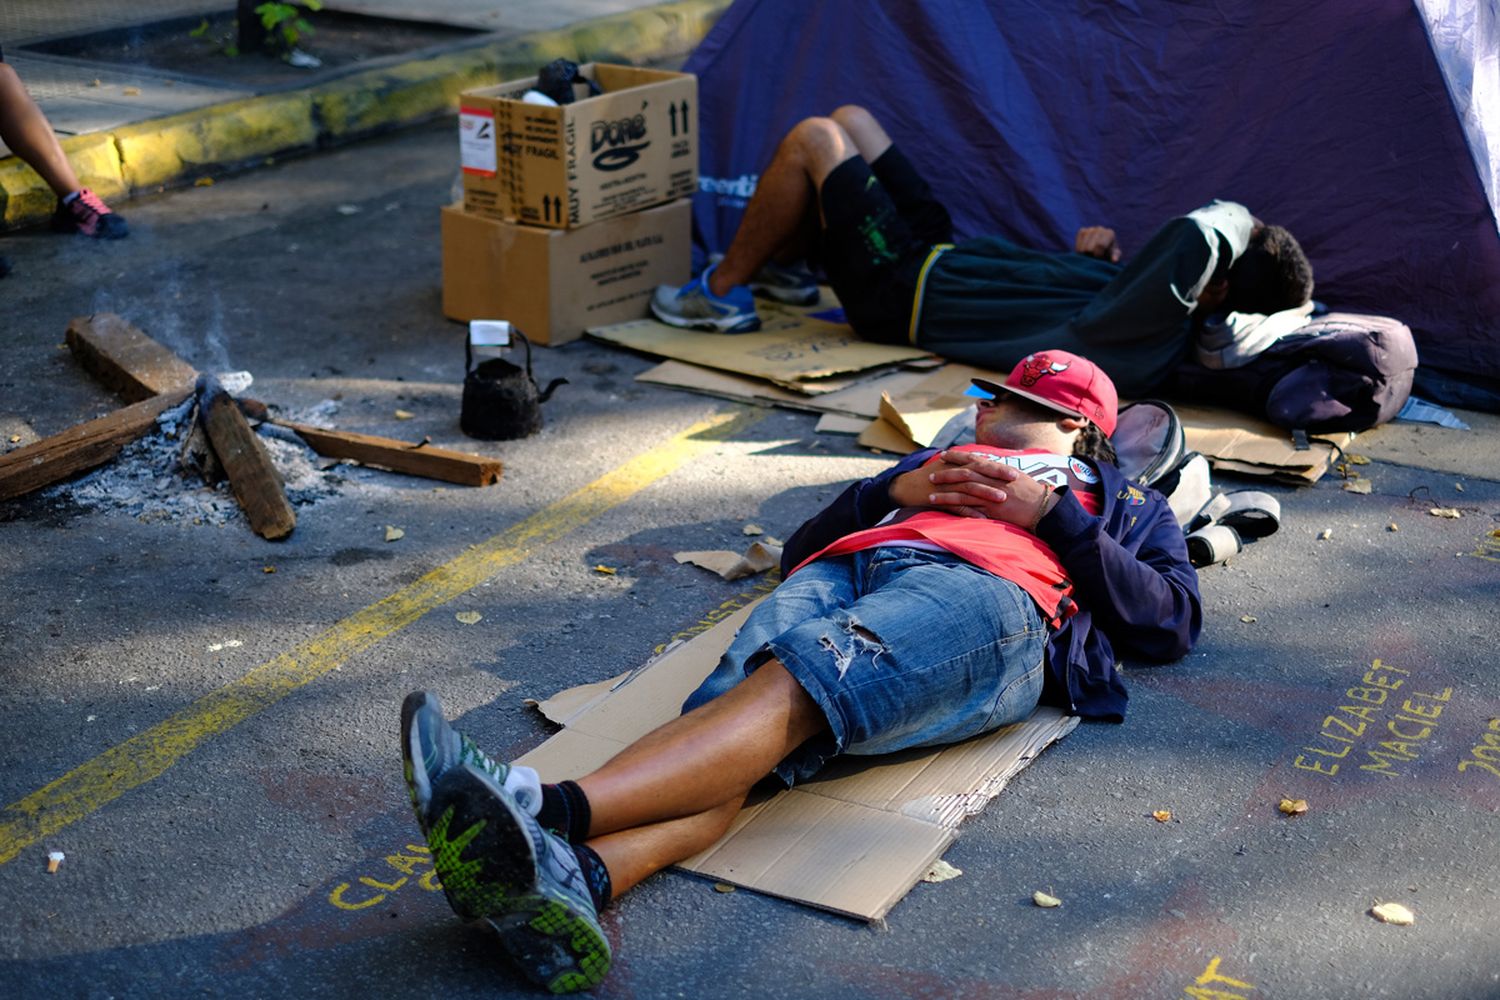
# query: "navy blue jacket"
[[1135, 589]]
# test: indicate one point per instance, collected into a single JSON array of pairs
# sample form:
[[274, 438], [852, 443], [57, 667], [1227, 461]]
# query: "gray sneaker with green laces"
[[497, 865], [430, 748]]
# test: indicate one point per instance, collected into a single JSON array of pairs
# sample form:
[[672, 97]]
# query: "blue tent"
[[1371, 130]]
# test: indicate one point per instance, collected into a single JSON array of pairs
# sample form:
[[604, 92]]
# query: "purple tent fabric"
[[1032, 119]]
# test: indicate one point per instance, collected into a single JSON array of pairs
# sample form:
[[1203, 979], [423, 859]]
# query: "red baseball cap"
[[1063, 382]]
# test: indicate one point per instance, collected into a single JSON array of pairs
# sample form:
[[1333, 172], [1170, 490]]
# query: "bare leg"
[[784, 197], [25, 130], [861, 126], [631, 855], [706, 759]]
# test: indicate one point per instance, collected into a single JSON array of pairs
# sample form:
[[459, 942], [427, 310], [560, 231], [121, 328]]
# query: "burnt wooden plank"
[[392, 454], [125, 359], [400, 456], [252, 477], [80, 448]]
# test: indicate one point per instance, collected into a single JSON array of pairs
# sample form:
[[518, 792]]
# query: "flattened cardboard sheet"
[[921, 410], [1235, 442], [837, 423], [857, 396], [855, 839], [791, 346], [882, 435]]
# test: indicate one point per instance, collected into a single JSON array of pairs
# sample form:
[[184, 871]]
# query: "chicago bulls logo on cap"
[[1063, 382]]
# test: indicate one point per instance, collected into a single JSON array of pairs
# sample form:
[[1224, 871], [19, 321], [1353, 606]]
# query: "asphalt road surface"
[[228, 793]]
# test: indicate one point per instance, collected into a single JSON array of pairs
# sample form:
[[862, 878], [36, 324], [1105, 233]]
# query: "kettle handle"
[[469, 352]]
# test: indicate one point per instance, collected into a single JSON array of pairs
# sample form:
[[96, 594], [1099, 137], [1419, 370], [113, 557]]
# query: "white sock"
[[68, 199], [525, 786]]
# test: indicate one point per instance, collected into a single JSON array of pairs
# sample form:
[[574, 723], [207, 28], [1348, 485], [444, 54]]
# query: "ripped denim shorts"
[[900, 648]]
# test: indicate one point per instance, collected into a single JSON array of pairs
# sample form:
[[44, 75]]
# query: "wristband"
[[1042, 508]]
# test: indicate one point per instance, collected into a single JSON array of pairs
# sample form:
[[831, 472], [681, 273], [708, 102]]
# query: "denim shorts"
[[899, 647]]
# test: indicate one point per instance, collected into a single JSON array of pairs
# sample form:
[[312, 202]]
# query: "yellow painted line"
[[147, 755]]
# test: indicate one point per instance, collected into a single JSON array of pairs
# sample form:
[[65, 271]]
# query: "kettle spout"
[[547, 392]]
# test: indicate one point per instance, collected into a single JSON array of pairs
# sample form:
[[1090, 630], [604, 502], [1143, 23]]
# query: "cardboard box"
[[853, 840], [633, 146], [553, 283]]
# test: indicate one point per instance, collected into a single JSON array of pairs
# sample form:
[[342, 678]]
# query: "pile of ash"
[[165, 476]]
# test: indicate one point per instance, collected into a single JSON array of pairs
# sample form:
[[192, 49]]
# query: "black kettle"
[[502, 402]]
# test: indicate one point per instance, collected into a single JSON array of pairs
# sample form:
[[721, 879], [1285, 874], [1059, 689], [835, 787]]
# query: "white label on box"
[[476, 141]]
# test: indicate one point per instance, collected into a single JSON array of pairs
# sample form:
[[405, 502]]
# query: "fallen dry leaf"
[[1357, 486], [1393, 526], [469, 617], [203, 182], [1325, 534], [606, 570], [723, 887], [1162, 815], [393, 533], [1452, 512], [1045, 901], [941, 871], [1293, 807], [15, 439], [268, 569], [404, 415], [1359, 459], [131, 91], [1249, 619], [753, 529], [1393, 913]]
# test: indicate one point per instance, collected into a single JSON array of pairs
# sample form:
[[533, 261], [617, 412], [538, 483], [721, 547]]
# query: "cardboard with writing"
[[855, 839], [792, 348], [554, 283], [633, 146], [859, 398]]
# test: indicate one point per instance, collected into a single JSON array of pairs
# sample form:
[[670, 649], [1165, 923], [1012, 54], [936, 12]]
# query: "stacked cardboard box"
[[573, 214]]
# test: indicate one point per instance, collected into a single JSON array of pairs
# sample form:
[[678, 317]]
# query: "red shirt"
[[996, 546]]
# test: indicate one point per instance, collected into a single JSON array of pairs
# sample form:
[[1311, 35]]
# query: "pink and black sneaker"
[[87, 215]]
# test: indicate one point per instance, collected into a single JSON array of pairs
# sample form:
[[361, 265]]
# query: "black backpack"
[[1340, 372]]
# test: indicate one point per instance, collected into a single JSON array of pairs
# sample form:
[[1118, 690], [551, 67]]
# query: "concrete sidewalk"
[[130, 128]]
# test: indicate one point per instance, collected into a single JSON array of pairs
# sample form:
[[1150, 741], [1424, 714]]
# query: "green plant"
[[224, 43], [284, 21]]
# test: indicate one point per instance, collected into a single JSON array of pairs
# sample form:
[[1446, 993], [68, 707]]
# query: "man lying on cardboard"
[[941, 599], [839, 189]]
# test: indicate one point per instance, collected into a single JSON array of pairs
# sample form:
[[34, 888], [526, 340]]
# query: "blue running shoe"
[[789, 283], [497, 865], [694, 307], [431, 748]]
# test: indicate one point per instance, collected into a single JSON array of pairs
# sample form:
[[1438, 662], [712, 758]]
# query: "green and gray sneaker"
[[496, 864], [430, 748]]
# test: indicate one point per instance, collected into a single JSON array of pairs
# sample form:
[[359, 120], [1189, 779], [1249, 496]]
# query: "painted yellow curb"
[[24, 198], [183, 147], [178, 149]]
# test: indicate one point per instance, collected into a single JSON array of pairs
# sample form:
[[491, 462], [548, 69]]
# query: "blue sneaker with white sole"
[[790, 283], [693, 307], [497, 865]]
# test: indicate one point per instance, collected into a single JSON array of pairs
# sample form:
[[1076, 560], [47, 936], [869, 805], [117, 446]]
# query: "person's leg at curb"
[[28, 134]]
